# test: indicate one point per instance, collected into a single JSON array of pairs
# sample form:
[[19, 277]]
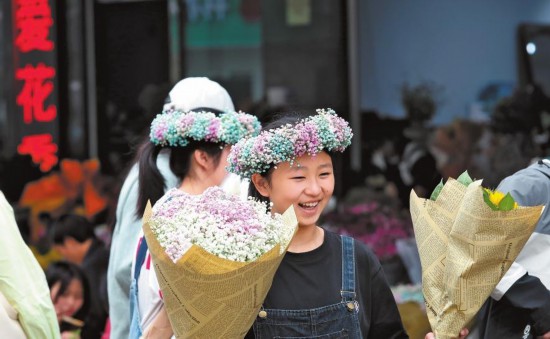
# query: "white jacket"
[[123, 245]]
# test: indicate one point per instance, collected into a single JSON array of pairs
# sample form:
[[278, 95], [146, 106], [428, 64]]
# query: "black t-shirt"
[[314, 279]]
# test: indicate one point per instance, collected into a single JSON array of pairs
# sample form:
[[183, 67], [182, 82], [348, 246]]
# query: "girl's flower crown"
[[178, 128], [323, 131]]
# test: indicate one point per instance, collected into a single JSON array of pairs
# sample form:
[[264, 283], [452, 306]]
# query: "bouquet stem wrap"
[[465, 248], [206, 296]]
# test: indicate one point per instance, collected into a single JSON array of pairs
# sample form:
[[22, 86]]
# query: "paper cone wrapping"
[[209, 297], [465, 248]]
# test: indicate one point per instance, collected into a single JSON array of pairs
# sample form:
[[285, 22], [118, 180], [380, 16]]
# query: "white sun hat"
[[199, 92]]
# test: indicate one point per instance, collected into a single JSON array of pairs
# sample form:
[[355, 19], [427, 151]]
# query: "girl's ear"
[[261, 184], [201, 158]]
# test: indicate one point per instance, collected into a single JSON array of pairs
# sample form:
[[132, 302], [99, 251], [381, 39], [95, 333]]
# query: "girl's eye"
[[297, 178], [324, 174]]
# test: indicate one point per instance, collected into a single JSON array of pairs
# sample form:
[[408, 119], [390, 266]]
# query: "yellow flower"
[[496, 197]]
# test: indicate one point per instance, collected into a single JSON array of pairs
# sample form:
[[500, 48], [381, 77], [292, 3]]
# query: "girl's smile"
[[308, 185]]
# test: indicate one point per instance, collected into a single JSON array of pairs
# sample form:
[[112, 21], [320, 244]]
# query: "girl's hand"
[[463, 333], [160, 327], [545, 336]]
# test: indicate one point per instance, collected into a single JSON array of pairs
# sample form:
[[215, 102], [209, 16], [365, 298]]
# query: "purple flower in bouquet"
[[218, 222]]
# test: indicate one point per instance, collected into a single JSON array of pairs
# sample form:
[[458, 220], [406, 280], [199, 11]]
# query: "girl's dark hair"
[[152, 184], [64, 272]]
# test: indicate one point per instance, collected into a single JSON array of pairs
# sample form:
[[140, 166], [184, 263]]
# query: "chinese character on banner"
[[33, 19], [35, 78], [41, 148], [35, 91]]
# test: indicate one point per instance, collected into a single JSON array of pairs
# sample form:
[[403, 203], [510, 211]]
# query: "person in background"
[[70, 294], [74, 238], [26, 310], [519, 306], [198, 158], [188, 94]]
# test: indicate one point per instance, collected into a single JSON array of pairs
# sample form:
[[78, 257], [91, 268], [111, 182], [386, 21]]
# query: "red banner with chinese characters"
[[35, 64]]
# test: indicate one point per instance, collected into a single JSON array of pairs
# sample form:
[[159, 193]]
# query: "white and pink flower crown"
[[323, 131], [178, 128]]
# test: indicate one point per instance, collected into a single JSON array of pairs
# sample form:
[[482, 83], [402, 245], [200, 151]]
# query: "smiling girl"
[[199, 143], [328, 286]]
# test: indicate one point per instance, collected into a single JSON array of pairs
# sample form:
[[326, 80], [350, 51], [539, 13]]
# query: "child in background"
[[70, 293], [140, 187], [73, 236], [199, 143]]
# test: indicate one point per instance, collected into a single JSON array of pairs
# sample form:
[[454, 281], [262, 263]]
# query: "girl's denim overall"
[[135, 321], [333, 321]]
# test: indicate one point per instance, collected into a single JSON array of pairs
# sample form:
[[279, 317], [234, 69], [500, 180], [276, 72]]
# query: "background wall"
[[462, 46]]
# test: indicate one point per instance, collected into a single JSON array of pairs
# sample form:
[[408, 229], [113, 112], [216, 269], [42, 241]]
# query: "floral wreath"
[[323, 131], [178, 128]]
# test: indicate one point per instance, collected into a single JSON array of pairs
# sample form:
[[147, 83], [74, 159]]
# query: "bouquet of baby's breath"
[[468, 237], [215, 256], [220, 223]]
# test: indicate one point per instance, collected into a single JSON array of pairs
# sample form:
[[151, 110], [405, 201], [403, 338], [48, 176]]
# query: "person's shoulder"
[[171, 200], [332, 237], [363, 254], [132, 176], [529, 185], [533, 173], [171, 193], [127, 196]]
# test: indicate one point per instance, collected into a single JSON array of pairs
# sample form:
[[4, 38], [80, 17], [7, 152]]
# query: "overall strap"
[[348, 269], [140, 258]]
